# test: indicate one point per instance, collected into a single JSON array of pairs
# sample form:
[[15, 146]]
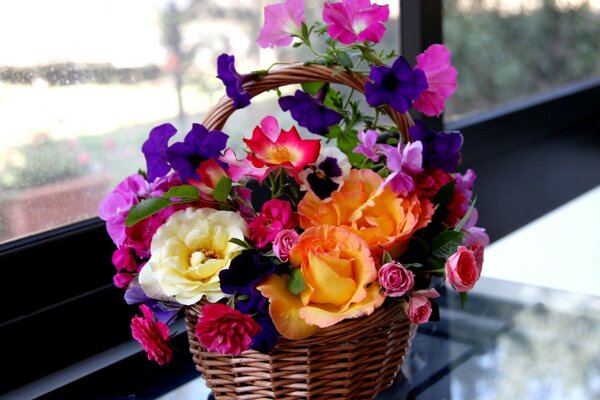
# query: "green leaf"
[[305, 31], [344, 59], [182, 192], [295, 282], [444, 195], [240, 242], [387, 258], [413, 265], [464, 219], [445, 244], [463, 299], [221, 191], [311, 87], [297, 44], [146, 208]]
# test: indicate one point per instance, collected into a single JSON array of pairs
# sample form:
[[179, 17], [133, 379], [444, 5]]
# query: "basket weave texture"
[[354, 359]]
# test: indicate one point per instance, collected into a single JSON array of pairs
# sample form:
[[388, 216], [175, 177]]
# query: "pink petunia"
[[355, 20], [441, 79], [224, 330], [281, 22], [239, 169], [153, 335]]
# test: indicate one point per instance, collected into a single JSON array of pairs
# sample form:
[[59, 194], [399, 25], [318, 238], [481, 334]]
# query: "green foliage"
[[295, 282]]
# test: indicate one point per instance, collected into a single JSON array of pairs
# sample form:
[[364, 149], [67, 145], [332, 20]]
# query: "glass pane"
[[82, 83], [510, 49]]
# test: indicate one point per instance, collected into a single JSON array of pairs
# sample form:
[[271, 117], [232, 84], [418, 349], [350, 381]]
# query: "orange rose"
[[340, 282], [379, 215]]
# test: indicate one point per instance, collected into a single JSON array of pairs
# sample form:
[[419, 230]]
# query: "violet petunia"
[[281, 22], [440, 149], [265, 340], [163, 311], [310, 112], [349, 21], [233, 81], [398, 85], [441, 79], [154, 149], [199, 145], [245, 272]]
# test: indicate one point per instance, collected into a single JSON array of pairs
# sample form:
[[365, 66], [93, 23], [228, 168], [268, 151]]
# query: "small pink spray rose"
[[153, 335], [225, 330], [395, 279], [462, 269], [419, 307], [283, 242]]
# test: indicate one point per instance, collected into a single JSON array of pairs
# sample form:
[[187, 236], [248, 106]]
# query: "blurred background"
[[82, 83]]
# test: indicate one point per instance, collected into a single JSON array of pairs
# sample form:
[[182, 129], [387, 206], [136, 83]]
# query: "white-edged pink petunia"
[[441, 79], [282, 20]]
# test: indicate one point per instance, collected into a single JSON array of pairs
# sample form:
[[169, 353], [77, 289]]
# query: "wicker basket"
[[354, 359]]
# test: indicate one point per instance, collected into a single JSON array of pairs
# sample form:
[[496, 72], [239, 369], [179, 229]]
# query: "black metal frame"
[[60, 306]]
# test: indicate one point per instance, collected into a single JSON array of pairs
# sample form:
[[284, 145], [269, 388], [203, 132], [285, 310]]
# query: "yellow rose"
[[188, 252], [376, 213], [340, 281]]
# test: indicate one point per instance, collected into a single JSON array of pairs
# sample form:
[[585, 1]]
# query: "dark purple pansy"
[[321, 179], [440, 149], [310, 112], [265, 340], [245, 272], [232, 80], [397, 86], [199, 145], [154, 150]]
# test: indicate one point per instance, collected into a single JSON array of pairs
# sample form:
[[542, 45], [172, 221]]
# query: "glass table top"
[[529, 330]]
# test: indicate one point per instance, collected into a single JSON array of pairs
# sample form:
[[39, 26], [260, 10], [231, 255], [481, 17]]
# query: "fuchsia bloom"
[[419, 307], [239, 169], [404, 161], [281, 22], [139, 236], [395, 279], [367, 145], [275, 215], [288, 150], [441, 79], [355, 20], [153, 335], [224, 330]]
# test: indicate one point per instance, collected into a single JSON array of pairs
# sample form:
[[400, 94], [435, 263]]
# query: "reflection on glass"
[[510, 49], [80, 92]]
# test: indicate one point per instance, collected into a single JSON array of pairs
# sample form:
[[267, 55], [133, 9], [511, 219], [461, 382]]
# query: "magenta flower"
[[224, 330], [239, 169], [233, 81], [153, 335], [405, 161], [355, 20], [368, 145], [398, 85], [395, 279], [281, 22], [275, 215], [441, 79], [123, 259]]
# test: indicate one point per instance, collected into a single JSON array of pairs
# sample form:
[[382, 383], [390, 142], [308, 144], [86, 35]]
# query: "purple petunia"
[[310, 112], [163, 311], [199, 145], [154, 150], [232, 80], [440, 149], [397, 86]]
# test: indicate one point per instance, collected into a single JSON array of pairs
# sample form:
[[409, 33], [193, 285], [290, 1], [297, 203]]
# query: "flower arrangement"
[[301, 233]]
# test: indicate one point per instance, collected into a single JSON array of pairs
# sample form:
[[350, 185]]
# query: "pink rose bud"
[[463, 269], [419, 307], [283, 242], [395, 279]]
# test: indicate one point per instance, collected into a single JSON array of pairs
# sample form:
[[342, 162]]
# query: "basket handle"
[[299, 73]]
